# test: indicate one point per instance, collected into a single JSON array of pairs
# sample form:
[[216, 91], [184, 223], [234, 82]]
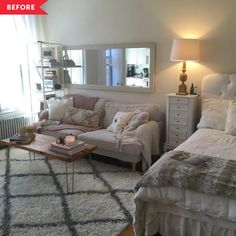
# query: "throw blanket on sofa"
[[146, 134], [56, 126], [209, 175]]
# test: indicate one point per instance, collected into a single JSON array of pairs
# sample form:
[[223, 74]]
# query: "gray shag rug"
[[34, 201]]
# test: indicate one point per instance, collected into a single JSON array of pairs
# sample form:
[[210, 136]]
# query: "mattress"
[[211, 142], [217, 212]]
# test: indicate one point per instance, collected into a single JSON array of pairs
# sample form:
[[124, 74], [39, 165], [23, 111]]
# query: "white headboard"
[[219, 85]]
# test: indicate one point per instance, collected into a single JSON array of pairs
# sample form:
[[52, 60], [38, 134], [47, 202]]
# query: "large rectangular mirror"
[[124, 67]]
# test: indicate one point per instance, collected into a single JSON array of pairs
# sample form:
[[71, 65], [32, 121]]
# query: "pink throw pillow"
[[83, 102]]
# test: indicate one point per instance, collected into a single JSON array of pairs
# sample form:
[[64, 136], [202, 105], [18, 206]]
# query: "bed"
[[173, 210]]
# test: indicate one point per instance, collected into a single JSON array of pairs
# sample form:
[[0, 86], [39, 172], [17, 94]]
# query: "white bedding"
[[166, 209], [211, 142]]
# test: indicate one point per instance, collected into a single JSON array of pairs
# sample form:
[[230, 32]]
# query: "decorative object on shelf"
[[48, 52], [38, 86], [57, 86], [67, 62], [51, 75], [67, 79], [185, 50]]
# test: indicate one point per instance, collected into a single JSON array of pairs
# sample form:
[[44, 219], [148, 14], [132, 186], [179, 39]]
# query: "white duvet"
[[163, 208]]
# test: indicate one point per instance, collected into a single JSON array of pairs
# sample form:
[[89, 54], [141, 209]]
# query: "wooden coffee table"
[[40, 145]]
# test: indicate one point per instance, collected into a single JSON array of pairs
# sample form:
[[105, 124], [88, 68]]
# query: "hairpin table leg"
[[90, 159], [67, 187], [7, 153], [73, 178]]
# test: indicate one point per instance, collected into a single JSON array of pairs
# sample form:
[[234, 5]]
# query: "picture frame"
[[48, 53]]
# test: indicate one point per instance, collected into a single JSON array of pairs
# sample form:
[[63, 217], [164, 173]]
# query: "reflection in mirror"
[[109, 67]]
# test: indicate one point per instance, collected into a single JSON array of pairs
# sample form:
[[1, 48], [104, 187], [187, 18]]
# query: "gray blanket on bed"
[[203, 174]]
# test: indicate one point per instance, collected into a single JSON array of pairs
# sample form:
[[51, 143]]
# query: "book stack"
[[23, 139], [71, 149]]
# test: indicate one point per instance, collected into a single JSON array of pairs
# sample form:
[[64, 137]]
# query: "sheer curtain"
[[16, 33]]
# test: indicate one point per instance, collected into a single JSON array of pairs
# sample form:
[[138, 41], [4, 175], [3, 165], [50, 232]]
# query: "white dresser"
[[180, 119]]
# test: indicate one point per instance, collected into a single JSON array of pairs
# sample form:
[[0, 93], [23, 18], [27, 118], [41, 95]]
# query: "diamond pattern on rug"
[[26, 185], [36, 210], [34, 201]]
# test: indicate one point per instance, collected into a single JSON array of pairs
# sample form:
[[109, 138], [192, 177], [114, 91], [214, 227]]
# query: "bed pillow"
[[119, 121], [57, 108], [230, 127], [214, 112], [82, 117], [137, 120]]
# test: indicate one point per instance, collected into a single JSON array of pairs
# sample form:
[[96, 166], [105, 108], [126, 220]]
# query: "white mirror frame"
[[119, 88]]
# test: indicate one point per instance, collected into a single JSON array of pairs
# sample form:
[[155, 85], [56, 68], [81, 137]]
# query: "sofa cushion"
[[137, 120], [57, 108], [100, 107], [82, 102], [83, 117], [112, 108], [119, 121], [43, 115], [107, 141]]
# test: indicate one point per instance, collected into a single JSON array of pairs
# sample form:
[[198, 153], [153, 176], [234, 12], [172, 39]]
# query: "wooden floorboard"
[[128, 231]]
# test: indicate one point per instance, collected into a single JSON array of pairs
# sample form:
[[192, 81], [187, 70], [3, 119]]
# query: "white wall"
[[77, 22]]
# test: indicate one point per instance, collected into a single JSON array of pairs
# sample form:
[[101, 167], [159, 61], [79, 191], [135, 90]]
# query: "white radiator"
[[10, 126]]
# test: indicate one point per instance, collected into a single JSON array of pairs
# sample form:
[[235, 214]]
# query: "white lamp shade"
[[185, 49]]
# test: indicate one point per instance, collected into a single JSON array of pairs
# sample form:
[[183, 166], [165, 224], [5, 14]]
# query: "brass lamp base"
[[182, 89], [183, 78]]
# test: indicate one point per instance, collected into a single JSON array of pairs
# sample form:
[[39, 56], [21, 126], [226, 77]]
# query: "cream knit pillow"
[[119, 121]]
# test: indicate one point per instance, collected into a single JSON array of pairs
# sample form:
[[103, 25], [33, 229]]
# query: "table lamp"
[[185, 50]]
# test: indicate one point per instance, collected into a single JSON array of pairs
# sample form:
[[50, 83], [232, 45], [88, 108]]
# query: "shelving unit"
[[46, 73], [73, 69]]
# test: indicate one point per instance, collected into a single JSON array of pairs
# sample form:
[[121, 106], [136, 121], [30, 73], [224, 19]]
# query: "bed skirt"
[[174, 221]]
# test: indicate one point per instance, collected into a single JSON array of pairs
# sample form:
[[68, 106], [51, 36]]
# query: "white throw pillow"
[[57, 108], [137, 120], [214, 112], [120, 120], [82, 117], [230, 127]]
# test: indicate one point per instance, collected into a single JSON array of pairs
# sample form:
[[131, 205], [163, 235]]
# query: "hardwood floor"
[[128, 231]]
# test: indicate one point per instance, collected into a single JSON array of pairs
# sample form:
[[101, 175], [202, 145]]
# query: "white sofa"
[[144, 144]]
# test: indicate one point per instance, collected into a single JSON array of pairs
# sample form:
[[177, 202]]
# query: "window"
[[14, 87]]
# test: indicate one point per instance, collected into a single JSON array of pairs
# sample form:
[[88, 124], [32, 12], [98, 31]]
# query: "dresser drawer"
[[178, 121], [179, 114], [178, 100], [178, 107], [178, 127], [175, 141], [178, 134]]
